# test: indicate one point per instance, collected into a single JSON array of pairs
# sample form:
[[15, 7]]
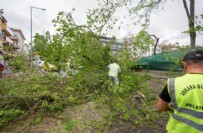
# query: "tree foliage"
[[33, 92], [143, 41], [199, 25], [140, 11], [146, 7], [19, 63]]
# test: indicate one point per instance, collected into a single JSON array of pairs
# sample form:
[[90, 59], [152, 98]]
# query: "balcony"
[[1, 45], [14, 38], [2, 36], [6, 40], [9, 40], [3, 39], [10, 55], [7, 30], [2, 52], [15, 46]]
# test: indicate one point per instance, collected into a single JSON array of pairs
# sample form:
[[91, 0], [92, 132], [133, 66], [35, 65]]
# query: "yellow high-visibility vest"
[[114, 69], [186, 94]]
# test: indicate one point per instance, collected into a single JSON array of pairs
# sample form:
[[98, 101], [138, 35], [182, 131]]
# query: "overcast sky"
[[166, 24]]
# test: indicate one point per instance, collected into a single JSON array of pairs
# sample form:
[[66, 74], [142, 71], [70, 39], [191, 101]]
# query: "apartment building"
[[11, 42], [11, 39], [19, 47], [129, 45], [25, 49], [135, 53], [5, 41], [150, 51], [168, 47], [115, 47]]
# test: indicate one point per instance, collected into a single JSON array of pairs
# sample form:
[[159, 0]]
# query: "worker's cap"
[[197, 54]]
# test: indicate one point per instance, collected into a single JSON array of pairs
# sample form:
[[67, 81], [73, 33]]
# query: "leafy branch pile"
[[32, 92]]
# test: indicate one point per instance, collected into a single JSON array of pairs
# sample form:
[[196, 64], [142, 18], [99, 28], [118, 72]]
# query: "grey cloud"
[[167, 24]]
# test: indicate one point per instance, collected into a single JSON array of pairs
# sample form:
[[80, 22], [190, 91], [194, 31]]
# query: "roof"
[[13, 38], [3, 19]]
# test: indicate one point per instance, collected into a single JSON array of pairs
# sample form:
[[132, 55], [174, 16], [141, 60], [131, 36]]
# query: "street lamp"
[[31, 58]]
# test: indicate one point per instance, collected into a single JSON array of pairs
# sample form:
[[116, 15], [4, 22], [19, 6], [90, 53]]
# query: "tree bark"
[[157, 40], [191, 17]]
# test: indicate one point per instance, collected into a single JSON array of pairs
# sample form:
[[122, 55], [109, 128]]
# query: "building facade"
[[11, 39], [129, 45], [150, 51], [115, 46], [19, 47], [137, 53], [11, 42], [5, 41]]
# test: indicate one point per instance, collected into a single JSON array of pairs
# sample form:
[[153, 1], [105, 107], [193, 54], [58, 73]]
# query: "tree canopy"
[[140, 13]]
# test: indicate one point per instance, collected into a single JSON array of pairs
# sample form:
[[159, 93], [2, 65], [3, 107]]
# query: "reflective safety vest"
[[114, 69], [186, 94]]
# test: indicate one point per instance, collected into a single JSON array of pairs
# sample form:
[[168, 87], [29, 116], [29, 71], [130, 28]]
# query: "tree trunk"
[[192, 24], [192, 38], [157, 41], [191, 17]]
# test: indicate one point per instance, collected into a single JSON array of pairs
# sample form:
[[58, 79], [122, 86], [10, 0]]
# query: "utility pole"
[[31, 52]]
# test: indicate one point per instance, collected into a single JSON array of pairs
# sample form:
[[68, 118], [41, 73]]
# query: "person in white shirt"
[[114, 70]]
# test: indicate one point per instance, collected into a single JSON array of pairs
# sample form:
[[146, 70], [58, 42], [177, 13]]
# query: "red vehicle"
[[1, 70]]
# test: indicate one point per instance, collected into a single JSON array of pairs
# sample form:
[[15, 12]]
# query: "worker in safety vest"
[[114, 69], [184, 96]]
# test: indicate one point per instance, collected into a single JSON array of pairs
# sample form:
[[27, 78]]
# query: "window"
[[15, 34]]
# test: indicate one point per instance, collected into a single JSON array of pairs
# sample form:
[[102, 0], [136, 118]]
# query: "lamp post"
[[31, 58]]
